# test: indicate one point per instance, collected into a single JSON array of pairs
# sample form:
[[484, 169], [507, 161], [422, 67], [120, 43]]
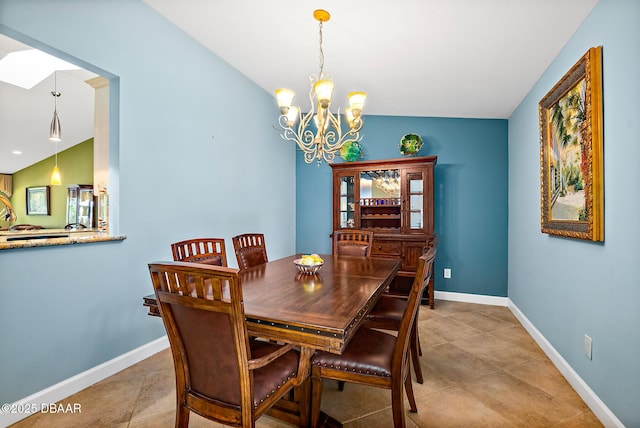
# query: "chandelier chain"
[[321, 53]]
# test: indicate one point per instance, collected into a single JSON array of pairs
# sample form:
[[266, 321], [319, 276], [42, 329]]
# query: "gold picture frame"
[[571, 176]]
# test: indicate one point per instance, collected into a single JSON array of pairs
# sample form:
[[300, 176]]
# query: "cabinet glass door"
[[72, 205], [85, 207], [347, 201], [380, 205], [415, 196]]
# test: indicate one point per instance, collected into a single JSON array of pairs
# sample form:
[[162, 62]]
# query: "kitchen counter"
[[52, 237]]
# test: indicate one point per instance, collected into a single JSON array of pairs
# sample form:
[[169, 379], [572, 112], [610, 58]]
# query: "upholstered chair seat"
[[367, 354]]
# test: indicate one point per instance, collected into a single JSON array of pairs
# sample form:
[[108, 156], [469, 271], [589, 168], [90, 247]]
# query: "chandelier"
[[328, 137]]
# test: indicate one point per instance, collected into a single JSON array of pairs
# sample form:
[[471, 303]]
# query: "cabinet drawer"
[[386, 248]]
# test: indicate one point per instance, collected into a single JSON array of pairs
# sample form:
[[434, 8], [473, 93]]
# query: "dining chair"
[[387, 315], [250, 250], [352, 242], [376, 358], [209, 251], [220, 374]]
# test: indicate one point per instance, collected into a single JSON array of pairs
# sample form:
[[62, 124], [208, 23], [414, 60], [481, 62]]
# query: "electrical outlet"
[[447, 273], [587, 346]]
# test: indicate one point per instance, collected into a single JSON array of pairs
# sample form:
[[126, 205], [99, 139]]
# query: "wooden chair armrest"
[[266, 359]]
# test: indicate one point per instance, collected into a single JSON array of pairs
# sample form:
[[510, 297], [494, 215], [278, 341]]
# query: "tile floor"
[[481, 369]]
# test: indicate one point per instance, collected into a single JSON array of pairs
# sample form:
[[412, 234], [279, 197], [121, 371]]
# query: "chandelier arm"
[[304, 141], [304, 138], [310, 156], [329, 156], [334, 136]]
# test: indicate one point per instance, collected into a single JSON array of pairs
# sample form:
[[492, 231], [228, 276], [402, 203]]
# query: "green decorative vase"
[[410, 144], [351, 151]]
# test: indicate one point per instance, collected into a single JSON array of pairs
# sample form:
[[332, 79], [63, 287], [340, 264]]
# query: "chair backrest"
[[423, 276], [201, 307], [210, 251], [75, 226], [250, 250], [352, 242]]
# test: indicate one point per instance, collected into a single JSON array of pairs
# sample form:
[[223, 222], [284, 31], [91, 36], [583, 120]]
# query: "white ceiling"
[[445, 58], [442, 58]]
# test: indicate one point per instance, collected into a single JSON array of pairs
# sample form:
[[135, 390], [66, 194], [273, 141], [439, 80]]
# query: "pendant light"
[[56, 180], [55, 131]]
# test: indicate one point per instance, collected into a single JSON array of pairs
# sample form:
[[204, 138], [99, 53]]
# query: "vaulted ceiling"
[[443, 58]]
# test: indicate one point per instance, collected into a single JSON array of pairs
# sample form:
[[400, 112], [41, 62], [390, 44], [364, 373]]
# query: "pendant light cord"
[[55, 92]]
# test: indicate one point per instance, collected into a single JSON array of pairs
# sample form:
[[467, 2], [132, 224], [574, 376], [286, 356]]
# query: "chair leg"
[[415, 353], [431, 293], [340, 385], [316, 398], [182, 417], [409, 388], [397, 402]]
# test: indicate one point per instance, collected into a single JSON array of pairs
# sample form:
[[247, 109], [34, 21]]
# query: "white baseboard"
[[590, 398], [471, 298], [83, 380]]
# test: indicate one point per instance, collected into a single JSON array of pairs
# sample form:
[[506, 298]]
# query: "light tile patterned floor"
[[481, 369]]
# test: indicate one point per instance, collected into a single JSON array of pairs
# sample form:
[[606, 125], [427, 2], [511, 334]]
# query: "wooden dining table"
[[320, 311]]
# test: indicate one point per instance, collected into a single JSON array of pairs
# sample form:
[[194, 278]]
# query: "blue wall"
[[470, 196], [568, 288], [185, 171]]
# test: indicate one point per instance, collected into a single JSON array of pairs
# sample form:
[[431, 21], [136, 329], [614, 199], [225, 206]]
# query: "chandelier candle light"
[[328, 138]]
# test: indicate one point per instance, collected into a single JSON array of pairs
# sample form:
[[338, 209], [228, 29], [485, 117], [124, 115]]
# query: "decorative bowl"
[[410, 144], [307, 269], [351, 151]]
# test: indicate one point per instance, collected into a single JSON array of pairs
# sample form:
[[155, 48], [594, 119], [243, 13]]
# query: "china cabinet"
[[393, 198], [80, 205]]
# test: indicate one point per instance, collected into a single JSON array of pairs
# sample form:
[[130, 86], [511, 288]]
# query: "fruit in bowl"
[[309, 264], [311, 260]]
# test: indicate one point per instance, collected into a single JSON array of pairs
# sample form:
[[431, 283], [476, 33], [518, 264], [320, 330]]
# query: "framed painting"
[[38, 201], [571, 177]]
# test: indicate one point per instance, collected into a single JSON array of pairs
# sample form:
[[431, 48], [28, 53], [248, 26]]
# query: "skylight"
[[30, 67]]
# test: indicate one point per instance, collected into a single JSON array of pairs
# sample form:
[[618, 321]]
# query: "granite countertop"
[[52, 237]]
